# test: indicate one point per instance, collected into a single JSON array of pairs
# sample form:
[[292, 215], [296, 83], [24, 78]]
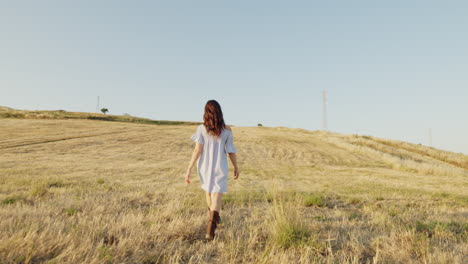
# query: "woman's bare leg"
[[208, 199], [216, 201]]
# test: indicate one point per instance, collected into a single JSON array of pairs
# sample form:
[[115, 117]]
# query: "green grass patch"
[[355, 216], [322, 218], [39, 190], [105, 254], [438, 228], [291, 235], [70, 211], [314, 200], [11, 200]]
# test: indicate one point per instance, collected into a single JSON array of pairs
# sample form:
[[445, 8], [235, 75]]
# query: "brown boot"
[[218, 219], [212, 224]]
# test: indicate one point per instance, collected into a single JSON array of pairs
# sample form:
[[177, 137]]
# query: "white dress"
[[212, 164]]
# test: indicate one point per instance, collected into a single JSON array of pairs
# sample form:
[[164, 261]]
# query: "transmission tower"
[[97, 106], [325, 124]]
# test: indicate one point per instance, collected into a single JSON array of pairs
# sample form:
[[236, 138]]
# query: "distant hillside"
[[6, 112], [283, 144]]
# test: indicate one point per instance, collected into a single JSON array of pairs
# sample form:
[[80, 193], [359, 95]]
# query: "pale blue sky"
[[392, 69]]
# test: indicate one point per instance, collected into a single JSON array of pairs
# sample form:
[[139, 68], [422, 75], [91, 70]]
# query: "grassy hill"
[[6, 112], [75, 190]]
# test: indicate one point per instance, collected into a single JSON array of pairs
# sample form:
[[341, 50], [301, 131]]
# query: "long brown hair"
[[213, 118]]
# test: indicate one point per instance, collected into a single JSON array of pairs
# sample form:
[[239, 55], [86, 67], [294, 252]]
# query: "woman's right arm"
[[233, 158]]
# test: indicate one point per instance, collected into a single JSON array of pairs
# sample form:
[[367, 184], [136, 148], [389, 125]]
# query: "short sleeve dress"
[[212, 165]]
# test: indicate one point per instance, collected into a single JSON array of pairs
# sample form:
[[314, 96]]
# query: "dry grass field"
[[92, 191]]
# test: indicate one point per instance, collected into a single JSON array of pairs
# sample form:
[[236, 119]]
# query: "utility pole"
[[325, 124], [97, 106]]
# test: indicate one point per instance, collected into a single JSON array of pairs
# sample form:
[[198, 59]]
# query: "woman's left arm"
[[195, 155]]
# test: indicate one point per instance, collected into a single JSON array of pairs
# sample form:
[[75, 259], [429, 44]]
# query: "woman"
[[213, 140]]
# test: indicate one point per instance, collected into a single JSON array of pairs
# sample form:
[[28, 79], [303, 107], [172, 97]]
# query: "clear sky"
[[392, 69]]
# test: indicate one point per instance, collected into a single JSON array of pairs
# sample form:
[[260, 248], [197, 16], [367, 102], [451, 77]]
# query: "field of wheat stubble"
[[91, 191]]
